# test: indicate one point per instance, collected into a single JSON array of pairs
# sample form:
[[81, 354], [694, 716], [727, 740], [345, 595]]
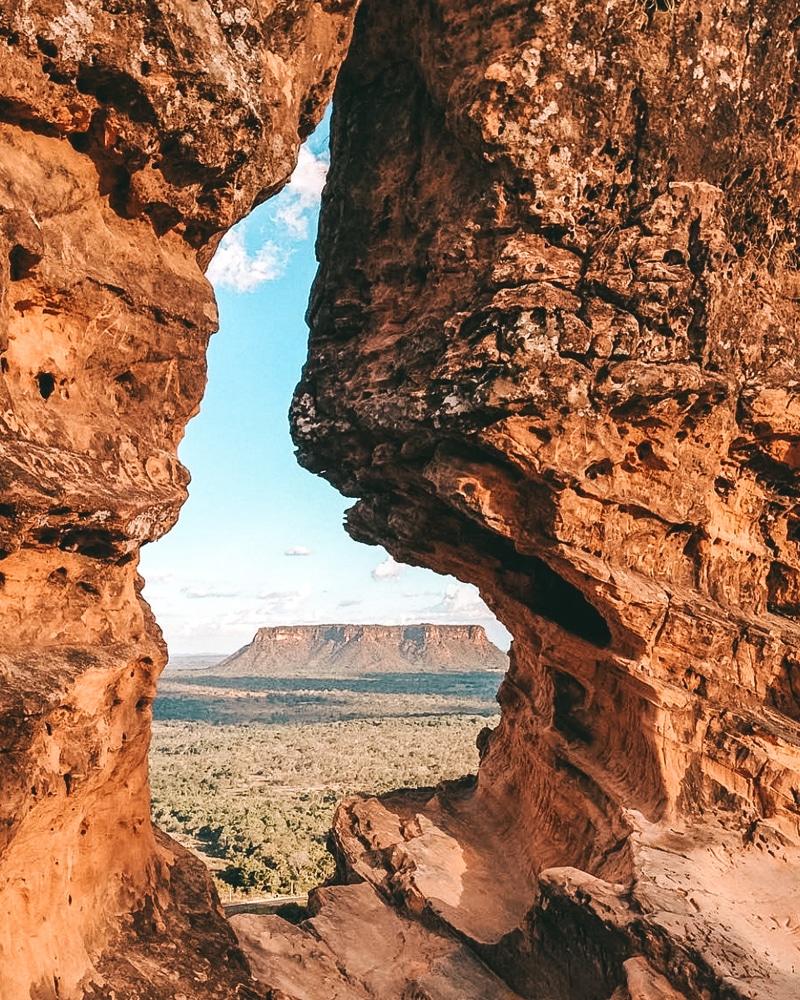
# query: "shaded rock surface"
[[132, 135], [348, 650], [554, 353]]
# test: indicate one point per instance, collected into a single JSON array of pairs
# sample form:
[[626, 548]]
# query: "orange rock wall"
[[132, 135], [554, 352]]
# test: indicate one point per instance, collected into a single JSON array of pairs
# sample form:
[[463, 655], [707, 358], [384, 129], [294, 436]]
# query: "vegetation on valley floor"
[[255, 799], [192, 696]]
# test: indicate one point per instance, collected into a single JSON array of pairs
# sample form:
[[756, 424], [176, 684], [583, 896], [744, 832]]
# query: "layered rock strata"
[[554, 353], [350, 650], [132, 135]]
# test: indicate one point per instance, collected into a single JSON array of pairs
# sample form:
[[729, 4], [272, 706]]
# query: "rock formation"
[[349, 650], [355, 947], [554, 352], [132, 135]]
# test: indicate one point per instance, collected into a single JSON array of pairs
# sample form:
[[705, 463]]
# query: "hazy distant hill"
[[350, 650]]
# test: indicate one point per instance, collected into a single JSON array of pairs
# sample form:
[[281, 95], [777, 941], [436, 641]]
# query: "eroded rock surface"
[[554, 352], [131, 136], [348, 650]]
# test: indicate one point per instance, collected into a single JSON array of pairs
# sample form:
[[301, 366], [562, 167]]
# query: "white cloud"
[[201, 593], [298, 550], [239, 269], [277, 604], [462, 600], [348, 604], [234, 268], [459, 603], [387, 570], [275, 595], [240, 623], [302, 193], [309, 175]]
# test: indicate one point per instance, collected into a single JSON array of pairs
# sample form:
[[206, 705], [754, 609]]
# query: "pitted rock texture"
[[554, 352], [350, 650], [132, 135]]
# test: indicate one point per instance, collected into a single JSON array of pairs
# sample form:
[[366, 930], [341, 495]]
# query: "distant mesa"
[[350, 650]]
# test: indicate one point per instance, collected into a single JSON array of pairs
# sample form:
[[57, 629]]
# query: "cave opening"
[[580, 175], [247, 765], [46, 383]]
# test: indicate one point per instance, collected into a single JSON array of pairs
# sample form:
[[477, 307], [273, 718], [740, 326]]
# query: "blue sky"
[[260, 540]]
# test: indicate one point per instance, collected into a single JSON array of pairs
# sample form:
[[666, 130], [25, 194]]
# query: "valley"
[[246, 771]]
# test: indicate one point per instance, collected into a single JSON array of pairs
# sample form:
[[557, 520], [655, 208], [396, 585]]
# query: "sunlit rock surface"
[[554, 352], [132, 135], [350, 650], [355, 947]]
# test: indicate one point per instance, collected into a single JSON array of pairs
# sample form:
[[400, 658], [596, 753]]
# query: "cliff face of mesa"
[[131, 136], [347, 650], [554, 352]]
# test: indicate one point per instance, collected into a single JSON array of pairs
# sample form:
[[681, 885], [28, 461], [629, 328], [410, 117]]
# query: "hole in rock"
[[46, 383], [565, 605], [96, 543], [674, 257], [783, 590], [22, 262], [164, 217], [548, 594], [46, 46], [247, 763], [570, 709], [669, 6], [602, 468]]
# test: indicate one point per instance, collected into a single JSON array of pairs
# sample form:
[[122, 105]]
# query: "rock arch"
[[554, 352]]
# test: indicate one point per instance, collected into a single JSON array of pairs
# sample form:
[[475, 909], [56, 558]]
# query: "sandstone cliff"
[[132, 135], [554, 353], [349, 650]]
